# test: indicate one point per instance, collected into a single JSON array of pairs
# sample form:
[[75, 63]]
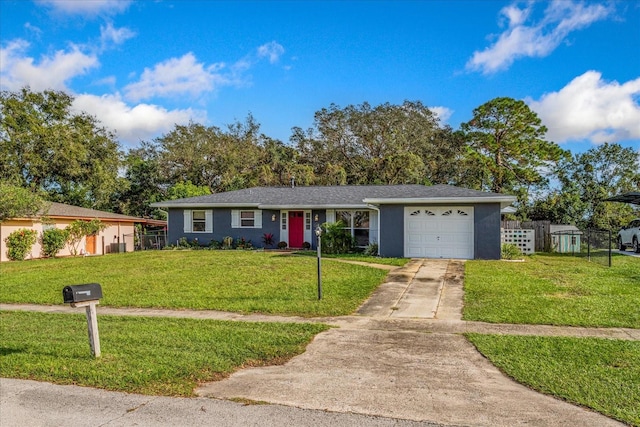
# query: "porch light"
[[273, 218], [315, 218]]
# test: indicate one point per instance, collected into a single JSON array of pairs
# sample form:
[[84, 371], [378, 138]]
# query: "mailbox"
[[79, 293]]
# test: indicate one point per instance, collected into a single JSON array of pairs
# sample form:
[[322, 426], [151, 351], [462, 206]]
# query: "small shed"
[[565, 238]]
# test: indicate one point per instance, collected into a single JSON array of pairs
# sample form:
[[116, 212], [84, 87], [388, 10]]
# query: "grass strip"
[[236, 281], [154, 356], [555, 290], [601, 374]]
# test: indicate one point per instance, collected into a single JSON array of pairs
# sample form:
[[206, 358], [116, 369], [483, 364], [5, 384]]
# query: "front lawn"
[[598, 373], [237, 281], [554, 290], [156, 356]]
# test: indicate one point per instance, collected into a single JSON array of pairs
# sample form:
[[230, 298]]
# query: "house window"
[[198, 221], [574, 240], [357, 222], [247, 219], [283, 220], [307, 220]]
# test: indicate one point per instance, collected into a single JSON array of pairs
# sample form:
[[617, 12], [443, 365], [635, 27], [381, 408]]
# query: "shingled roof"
[[353, 196], [61, 210]]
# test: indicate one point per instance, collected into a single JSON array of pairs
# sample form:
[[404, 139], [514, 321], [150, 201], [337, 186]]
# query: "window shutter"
[[235, 219], [257, 215], [331, 215], [208, 221], [187, 221]]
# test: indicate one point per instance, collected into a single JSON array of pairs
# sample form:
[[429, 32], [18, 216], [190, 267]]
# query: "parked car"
[[629, 236]]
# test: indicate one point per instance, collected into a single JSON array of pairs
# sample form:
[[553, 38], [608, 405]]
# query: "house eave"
[[307, 207], [204, 205], [503, 200]]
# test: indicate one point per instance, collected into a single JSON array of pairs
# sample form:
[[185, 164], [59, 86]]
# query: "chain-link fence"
[[593, 245], [143, 242]]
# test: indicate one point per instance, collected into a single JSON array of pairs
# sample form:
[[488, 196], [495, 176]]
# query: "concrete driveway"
[[389, 363]]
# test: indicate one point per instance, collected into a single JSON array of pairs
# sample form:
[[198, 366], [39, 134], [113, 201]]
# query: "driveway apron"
[[367, 367]]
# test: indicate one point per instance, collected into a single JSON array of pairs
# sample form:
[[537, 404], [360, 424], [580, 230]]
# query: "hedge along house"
[[116, 237], [439, 221]]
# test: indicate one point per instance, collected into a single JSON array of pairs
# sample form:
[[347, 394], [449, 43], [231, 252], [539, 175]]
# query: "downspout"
[[377, 209]]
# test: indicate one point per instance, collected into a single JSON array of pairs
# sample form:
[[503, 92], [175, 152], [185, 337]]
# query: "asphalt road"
[[38, 404]]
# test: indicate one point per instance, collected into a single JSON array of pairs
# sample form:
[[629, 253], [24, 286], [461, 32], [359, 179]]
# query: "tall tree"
[[46, 146], [386, 144], [597, 174], [142, 183], [209, 156], [507, 143]]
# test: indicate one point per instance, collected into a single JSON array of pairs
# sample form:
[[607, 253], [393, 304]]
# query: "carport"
[[632, 197]]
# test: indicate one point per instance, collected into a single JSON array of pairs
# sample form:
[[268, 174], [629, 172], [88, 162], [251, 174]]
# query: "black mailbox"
[[79, 293]]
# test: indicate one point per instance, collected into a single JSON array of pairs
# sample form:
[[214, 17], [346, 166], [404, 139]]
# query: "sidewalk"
[[401, 356]]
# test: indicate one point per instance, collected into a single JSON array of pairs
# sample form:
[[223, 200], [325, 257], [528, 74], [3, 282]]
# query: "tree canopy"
[[507, 140], [18, 202], [46, 146]]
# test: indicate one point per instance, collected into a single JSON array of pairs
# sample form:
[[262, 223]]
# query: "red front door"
[[296, 229]]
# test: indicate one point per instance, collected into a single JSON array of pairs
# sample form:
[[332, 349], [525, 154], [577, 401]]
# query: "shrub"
[[214, 244], [78, 229], [282, 245], [53, 241], [242, 243], [371, 249], [267, 239], [227, 242], [19, 243], [306, 245], [183, 243], [336, 239], [510, 251]]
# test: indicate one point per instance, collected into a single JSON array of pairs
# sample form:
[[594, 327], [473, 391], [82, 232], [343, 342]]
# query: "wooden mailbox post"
[[86, 296]]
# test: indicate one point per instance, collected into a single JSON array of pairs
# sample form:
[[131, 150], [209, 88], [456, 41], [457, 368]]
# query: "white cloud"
[[271, 50], [535, 39], [591, 108], [110, 35], [134, 123], [177, 76], [443, 113], [51, 72], [86, 7]]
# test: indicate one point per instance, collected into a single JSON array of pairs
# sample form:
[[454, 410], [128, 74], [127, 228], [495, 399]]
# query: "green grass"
[[397, 262], [555, 290], [237, 281], [156, 356], [598, 373]]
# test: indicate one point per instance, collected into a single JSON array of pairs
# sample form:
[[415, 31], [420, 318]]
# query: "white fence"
[[524, 239]]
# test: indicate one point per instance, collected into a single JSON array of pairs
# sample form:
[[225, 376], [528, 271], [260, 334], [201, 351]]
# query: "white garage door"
[[438, 232]]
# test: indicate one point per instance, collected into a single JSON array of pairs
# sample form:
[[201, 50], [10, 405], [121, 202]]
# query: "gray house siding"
[[487, 231], [222, 227], [322, 218], [391, 220]]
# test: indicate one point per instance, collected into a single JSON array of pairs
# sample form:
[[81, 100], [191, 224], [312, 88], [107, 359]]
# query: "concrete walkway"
[[400, 357]]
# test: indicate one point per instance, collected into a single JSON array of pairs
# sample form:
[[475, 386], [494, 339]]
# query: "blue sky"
[[142, 66]]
